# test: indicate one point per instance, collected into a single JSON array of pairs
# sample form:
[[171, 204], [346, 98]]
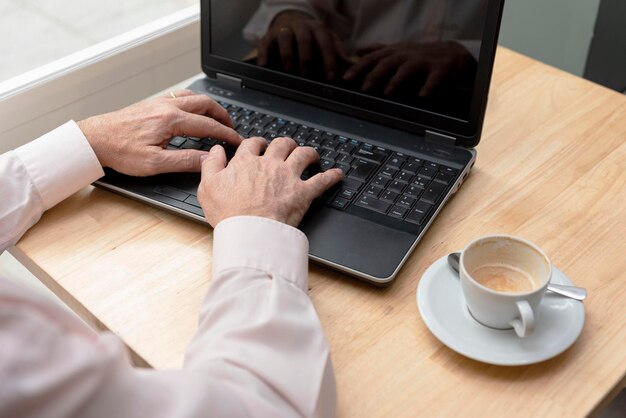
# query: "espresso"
[[504, 278]]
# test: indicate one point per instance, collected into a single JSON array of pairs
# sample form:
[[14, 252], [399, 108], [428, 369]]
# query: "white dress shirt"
[[259, 350]]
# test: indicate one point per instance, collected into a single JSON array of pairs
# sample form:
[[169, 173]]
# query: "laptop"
[[393, 93]]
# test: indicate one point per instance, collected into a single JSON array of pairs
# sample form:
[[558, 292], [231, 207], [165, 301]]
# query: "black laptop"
[[392, 92]]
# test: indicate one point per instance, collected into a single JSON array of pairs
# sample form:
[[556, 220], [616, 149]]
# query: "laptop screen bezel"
[[466, 132]]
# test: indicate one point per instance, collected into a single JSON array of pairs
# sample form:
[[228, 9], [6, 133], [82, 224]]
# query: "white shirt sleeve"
[[259, 350], [40, 174]]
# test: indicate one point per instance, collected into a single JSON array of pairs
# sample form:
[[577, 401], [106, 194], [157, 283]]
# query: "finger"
[[264, 49], [214, 162], [434, 79], [364, 64], [305, 52], [325, 44], [179, 93], [285, 47], [280, 148], [178, 161], [203, 105], [301, 158], [404, 73], [254, 146], [340, 48], [321, 182], [382, 69], [200, 126]]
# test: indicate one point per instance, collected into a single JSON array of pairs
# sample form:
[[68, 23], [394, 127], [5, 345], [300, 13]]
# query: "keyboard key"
[[418, 214], [396, 186], [339, 203], [171, 147], [404, 176], [413, 191], [448, 170], [177, 141], [380, 181], [361, 169], [372, 203], [427, 172], [345, 159], [373, 191], [443, 177], [328, 135], [329, 154], [406, 201], [398, 212], [191, 144], [343, 167], [399, 156], [346, 148], [433, 192], [346, 194], [370, 155], [351, 184], [421, 182], [388, 171], [315, 139], [256, 132], [326, 165], [432, 165], [395, 162], [330, 144], [389, 196], [411, 167]]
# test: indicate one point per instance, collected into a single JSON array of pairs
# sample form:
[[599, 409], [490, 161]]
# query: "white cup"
[[488, 268]]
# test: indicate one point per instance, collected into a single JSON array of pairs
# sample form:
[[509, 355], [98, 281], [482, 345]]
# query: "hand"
[[309, 35], [389, 67], [267, 186], [132, 140]]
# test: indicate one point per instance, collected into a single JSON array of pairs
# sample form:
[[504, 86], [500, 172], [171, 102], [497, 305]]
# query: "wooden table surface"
[[551, 168]]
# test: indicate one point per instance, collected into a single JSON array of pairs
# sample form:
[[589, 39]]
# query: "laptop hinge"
[[228, 82], [439, 138]]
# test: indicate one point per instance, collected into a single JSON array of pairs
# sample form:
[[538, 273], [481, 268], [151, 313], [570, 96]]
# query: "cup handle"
[[525, 324]]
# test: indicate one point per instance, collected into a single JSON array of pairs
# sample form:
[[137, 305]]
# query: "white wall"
[[557, 32]]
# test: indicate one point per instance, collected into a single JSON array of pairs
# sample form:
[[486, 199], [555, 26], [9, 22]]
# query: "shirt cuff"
[[264, 244], [60, 163]]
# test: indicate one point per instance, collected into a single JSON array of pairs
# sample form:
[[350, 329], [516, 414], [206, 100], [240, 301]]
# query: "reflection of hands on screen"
[[300, 40], [427, 66]]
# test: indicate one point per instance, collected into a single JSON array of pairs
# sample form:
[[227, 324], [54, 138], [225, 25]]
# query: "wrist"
[[89, 128]]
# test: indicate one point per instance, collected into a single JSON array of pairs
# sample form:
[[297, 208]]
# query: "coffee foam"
[[503, 278]]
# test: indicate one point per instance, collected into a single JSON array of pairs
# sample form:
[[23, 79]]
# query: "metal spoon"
[[574, 292]]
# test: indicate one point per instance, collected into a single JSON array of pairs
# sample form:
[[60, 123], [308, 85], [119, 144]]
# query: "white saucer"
[[440, 301]]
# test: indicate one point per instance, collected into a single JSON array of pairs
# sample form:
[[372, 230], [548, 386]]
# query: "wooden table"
[[551, 168]]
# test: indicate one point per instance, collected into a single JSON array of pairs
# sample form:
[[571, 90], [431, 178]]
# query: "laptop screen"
[[391, 56]]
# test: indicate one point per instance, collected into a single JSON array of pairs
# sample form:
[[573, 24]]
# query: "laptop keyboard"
[[394, 184]]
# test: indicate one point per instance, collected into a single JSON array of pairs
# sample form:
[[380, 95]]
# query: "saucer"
[[440, 301]]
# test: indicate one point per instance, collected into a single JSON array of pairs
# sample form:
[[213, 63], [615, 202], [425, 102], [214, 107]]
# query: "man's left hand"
[[132, 140]]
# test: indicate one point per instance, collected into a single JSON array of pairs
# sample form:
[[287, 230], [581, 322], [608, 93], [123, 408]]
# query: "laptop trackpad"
[[356, 243]]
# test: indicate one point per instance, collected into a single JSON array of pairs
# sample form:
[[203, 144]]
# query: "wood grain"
[[550, 168]]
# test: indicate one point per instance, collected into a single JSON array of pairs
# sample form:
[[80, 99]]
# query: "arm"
[[259, 350], [28, 185]]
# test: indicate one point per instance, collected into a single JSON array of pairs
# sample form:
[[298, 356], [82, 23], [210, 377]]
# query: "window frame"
[[100, 78]]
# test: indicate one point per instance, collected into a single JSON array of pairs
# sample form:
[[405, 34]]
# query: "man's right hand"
[[268, 186]]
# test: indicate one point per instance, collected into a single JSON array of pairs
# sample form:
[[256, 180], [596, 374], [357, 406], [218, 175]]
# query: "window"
[[37, 32]]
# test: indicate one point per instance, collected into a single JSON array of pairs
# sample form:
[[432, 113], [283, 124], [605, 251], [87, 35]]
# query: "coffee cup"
[[503, 279]]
